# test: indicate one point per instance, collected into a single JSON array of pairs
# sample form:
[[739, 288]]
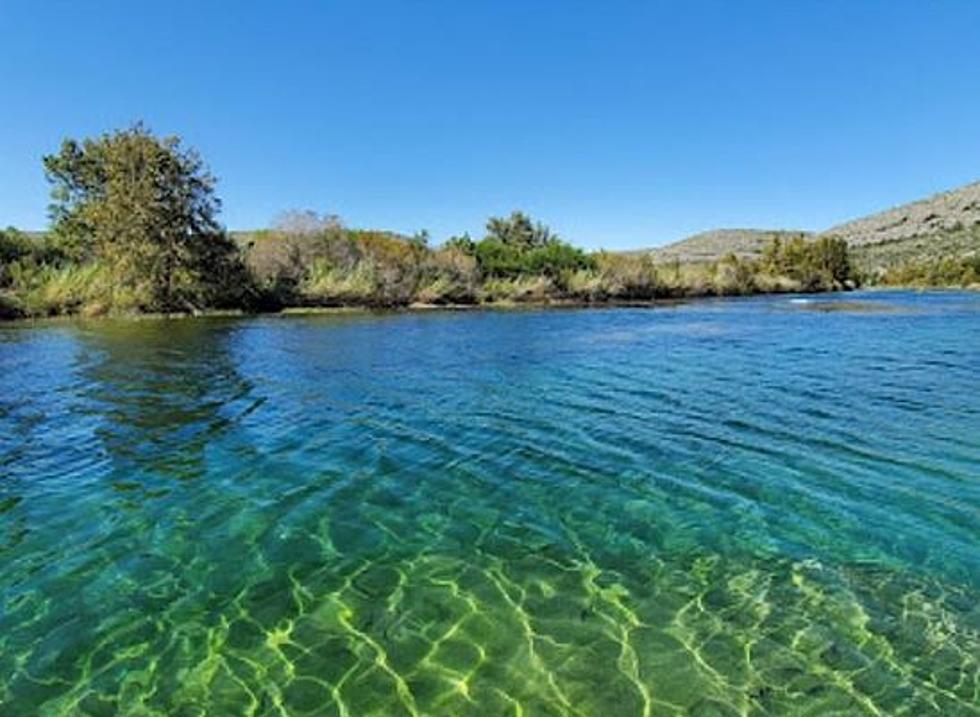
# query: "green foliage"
[[463, 242], [948, 272], [331, 265], [90, 288], [518, 289], [145, 208], [13, 245], [326, 285], [611, 276], [814, 265], [946, 258], [499, 259], [831, 260], [556, 259], [280, 261], [735, 276], [516, 246], [519, 231], [449, 276], [397, 265], [20, 248], [135, 229]]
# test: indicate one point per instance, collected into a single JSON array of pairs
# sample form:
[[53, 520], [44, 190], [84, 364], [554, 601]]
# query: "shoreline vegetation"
[[134, 231], [841, 305]]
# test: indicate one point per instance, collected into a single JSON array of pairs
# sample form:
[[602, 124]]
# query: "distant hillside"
[[945, 225], [877, 259], [712, 245], [939, 214]]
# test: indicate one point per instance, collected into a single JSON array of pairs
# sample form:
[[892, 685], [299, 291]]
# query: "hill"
[[940, 214], [712, 245], [917, 242], [941, 227]]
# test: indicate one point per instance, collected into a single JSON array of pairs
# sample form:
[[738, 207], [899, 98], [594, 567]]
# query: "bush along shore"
[[134, 229]]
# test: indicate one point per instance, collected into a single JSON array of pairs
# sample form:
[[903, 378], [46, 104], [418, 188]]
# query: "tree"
[[820, 263], [516, 246], [556, 259], [420, 240], [831, 259], [463, 242], [519, 231], [146, 207]]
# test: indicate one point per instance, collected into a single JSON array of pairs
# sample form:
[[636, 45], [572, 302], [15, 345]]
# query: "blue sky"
[[620, 124]]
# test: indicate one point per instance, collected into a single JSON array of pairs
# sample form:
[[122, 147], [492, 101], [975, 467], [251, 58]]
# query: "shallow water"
[[722, 508]]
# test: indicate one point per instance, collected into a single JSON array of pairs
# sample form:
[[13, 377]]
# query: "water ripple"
[[723, 508]]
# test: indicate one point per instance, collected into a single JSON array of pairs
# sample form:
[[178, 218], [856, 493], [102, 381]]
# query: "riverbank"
[[557, 303], [412, 307]]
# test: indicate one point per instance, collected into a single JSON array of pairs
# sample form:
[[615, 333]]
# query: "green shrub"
[[18, 247], [449, 276], [556, 259], [734, 276], [327, 285], [517, 289], [821, 264], [585, 285], [947, 272], [628, 276], [13, 245], [497, 259], [91, 289]]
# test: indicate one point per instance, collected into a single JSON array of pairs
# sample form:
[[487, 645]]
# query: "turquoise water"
[[747, 507]]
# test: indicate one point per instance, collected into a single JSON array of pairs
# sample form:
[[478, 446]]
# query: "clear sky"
[[620, 124]]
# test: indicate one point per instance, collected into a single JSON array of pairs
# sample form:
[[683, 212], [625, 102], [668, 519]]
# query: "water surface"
[[724, 508]]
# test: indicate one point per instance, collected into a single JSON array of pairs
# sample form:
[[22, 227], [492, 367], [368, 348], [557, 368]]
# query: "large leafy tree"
[[146, 207]]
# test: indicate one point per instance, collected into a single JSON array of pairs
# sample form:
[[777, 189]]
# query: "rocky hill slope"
[[712, 245], [939, 214], [938, 226]]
